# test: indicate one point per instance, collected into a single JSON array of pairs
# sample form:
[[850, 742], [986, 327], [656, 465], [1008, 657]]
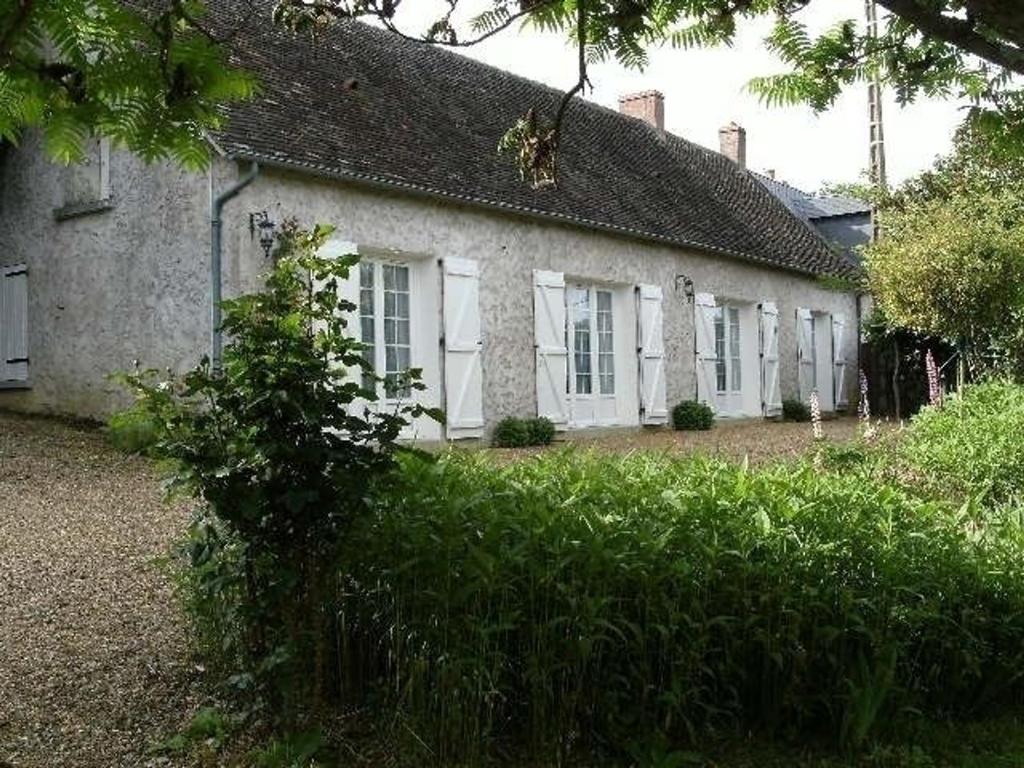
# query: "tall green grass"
[[576, 604], [971, 446]]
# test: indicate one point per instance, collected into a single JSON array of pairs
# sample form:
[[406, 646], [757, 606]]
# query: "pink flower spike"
[[816, 416], [934, 390]]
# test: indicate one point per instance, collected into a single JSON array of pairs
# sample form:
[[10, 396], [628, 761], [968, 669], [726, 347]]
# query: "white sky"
[[705, 89]]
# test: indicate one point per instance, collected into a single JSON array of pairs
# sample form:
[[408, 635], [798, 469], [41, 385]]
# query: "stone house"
[[655, 271]]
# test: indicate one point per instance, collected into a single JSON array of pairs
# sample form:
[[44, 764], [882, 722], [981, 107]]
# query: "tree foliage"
[[150, 80], [951, 259], [279, 459]]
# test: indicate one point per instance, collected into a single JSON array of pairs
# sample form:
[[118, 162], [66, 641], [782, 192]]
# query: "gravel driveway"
[[94, 664]]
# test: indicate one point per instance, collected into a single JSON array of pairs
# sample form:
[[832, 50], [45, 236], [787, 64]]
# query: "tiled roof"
[[360, 103]]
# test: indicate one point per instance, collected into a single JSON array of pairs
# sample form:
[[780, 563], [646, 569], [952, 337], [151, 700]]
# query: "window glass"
[[367, 323], [605, 343], [721, 379], [734, 349], [814, 352], [580, 308], [397, 347]]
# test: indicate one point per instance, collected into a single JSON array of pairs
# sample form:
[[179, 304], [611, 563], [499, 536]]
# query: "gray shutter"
[[14, 323]]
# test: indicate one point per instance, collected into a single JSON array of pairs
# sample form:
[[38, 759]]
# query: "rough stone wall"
[[132, 283], [110, 287], [509, 248]]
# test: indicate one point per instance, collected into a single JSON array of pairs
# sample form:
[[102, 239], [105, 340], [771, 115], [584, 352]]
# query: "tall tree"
[[951, 263], [151, 78]]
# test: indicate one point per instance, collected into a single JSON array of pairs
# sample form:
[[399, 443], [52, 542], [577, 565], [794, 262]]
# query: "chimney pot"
[[648, 106], [733, 141]]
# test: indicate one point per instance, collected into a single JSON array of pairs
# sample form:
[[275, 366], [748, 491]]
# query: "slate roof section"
[[364, 105], [810, 207]]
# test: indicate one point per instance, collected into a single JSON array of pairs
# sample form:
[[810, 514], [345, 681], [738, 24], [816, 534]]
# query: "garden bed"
[[756, 440]]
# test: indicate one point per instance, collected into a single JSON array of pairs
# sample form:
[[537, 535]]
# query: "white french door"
[[590, 340], [385, 314], [729, 371]]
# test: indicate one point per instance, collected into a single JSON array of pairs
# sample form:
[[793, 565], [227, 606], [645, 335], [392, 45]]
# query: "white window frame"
[[380, 343], [596, 349], [729, 359]]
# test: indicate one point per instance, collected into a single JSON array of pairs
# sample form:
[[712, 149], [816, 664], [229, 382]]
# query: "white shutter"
[[707, 357], [14, 323], [839, 361], [652, 355], [771, 397], [805, 352], [463, 371], [549, 340]]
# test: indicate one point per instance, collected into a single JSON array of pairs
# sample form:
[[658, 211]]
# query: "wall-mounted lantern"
[[260, 223], [687, 286]]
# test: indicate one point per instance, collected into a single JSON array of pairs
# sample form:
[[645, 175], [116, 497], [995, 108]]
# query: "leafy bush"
[[280, 466], [574, 602], [795, 410], [518, 433], [690, 414], [542, 431], [511, 433], [972, 444], [132, 431]]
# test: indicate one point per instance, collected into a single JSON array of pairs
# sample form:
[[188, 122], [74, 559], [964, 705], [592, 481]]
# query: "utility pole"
[[876, 135]]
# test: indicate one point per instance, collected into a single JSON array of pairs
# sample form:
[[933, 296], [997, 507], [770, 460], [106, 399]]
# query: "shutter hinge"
[[13, 360]]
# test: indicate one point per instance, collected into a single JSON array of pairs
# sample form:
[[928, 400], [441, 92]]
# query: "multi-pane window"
[[367, 320], [580, 304], [728, 366], [734, 349], [605, 343], [814, 353], [721, 372], [397, 346], [384, 321], [590, 334]]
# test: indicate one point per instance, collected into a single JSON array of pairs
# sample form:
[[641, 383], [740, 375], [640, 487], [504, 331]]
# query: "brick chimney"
[[648, 106], [733, 141]]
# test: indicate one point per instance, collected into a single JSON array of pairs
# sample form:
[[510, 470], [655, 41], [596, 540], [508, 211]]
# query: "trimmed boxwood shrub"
[[795, 410], [518, 433], [511, 433], [690, 414], [541, 429]]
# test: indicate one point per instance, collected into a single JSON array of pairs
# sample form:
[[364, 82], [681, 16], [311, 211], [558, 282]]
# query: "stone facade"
[[132, 283]]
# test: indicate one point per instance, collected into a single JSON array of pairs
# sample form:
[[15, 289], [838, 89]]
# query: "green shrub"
[[972, 444], [279, 465], [690, 414], [795, 410], [519, 433], [132, 431], [542, 431], [511, 433], [577, 602]]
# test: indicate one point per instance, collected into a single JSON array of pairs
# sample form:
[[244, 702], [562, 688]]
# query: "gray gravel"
[[94, 661]]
